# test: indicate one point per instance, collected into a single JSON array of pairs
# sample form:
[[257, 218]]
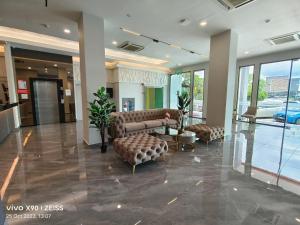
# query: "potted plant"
[[100, 110], [167, 127], [184, 102]]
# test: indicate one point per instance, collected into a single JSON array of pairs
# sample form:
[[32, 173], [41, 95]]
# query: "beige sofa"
[[126, 124]]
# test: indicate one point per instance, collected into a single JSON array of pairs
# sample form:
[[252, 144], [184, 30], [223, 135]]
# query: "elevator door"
[[46, 102]]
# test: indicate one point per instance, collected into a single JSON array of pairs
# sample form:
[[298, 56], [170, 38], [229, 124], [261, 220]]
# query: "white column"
[[11, 81], [77, 88], [221, 80], [92, 68]]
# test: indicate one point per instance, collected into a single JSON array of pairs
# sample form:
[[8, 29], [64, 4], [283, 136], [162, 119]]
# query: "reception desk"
[[6, 120]]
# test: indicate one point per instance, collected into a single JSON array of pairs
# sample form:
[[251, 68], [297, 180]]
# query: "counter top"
[[7, 106]]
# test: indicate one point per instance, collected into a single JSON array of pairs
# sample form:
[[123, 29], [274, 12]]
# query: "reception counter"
[[6, 120]]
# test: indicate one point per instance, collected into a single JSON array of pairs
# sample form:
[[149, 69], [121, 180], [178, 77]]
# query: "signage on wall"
[[21, 91], [22, 84]]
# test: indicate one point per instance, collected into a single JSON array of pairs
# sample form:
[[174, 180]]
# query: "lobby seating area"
[[206, 133], [150, 112], [140, 148], [132, 123]]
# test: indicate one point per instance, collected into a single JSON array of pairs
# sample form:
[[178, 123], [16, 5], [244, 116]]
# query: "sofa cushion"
[[172, 122], [163, 121], [134, 126], [152, 123]]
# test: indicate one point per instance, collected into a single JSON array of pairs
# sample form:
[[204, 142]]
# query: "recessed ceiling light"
[[55, 65], [246, 52], [119, 206], [114, 43], [69, 72], [29, 67], [235, 189], [203, 23], [67, 31], [167, 56], [297, 219], [267, 20], [184, 22]]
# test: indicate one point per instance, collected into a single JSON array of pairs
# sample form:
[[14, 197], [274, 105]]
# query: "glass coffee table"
[[182, 141]]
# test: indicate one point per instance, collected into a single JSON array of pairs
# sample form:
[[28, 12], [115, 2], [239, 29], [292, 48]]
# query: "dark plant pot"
[[167, 130], [103, 148]]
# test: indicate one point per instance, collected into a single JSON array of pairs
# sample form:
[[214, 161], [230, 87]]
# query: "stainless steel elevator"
[[46, 101]]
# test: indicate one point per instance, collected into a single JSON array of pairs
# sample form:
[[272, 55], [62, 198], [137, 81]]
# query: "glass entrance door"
[[289, 171]]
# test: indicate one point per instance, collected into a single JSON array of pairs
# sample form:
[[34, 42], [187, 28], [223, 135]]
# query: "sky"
[[281, 69]]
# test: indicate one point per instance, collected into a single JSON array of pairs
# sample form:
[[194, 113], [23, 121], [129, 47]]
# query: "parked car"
[[293, 113]]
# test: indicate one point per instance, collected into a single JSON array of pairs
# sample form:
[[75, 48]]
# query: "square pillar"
[[92, 68], [12, 83], [221, 80]]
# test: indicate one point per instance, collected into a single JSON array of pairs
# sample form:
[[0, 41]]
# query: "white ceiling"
[[159, 19]]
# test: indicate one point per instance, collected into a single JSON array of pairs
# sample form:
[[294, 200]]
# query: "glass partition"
[[290, 162], [244, 90]]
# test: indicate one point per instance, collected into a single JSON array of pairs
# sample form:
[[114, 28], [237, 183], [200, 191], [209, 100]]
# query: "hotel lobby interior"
[[150, 112]]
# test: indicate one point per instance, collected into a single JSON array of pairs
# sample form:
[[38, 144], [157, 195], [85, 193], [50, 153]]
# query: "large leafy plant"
[[100, 110], [184, 102]]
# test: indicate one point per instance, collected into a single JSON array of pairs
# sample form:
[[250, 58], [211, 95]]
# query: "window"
[[198, 93], [244, 89], [273, 91], [180, 82]]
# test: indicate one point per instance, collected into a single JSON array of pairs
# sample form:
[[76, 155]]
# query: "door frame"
[[60, 97]]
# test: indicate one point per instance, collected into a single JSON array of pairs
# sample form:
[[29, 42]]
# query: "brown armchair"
[[250, 114]]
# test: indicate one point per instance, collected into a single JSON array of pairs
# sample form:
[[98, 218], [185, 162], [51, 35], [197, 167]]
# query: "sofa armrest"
[[117, 125], [175, 115]]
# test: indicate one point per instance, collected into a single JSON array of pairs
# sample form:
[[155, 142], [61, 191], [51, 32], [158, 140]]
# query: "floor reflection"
[[217, 184], [269, 154]]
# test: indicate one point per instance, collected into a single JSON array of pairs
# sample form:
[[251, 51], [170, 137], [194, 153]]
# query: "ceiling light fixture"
[[297, 219], [55, 65], [29, 67], [114, 42], [175, 46], [167, 56], [67, 31], [246, 52], [119, 206], [130, 32], [158, 41], [203, 23]]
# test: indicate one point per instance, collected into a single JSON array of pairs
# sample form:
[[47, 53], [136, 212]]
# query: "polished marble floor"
[[230, 183]]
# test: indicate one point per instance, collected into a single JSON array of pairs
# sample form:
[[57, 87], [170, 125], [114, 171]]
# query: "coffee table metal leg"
[[133, 169]]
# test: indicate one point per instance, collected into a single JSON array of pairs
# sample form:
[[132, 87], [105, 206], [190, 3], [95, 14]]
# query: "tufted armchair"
[[126, 124]]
